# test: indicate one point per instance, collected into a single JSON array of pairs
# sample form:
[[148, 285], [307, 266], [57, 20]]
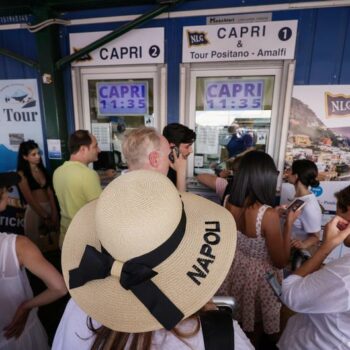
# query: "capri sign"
[[239, 42], [138, 46]]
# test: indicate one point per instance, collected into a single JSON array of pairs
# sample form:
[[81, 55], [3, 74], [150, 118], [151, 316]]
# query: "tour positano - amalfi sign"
[[240, 42]]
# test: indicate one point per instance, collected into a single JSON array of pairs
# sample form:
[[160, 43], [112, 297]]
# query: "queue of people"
[[143, 258]]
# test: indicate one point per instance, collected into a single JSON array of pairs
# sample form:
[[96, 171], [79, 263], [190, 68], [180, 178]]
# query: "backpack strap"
[[217, 328]]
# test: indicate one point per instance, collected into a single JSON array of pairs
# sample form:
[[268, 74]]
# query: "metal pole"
[[19, 58], [115, 34]]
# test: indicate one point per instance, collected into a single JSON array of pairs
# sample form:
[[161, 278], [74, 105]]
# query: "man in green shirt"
[[74, 182]]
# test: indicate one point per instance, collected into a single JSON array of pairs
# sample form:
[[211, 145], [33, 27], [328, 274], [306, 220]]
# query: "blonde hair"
[[138, 144]]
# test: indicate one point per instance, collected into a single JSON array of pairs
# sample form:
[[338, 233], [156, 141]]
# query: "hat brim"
[[107, 302]]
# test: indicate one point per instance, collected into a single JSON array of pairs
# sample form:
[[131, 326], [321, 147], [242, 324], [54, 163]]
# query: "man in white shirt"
[[321, 296], [145, 148]]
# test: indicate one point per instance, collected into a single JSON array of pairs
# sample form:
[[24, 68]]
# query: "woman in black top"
[[41, 215]]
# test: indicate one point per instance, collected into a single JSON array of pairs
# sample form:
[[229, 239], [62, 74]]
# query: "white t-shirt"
[[322, 300], [72, 333], [309, 220]]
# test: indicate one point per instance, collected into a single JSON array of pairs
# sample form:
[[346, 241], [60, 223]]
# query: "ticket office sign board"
[[233, 95], [122, 98], [139, 46], [324, 193], [20, 119], [239, 42]]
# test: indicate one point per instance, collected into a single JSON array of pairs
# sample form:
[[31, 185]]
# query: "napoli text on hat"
[[211, 237]]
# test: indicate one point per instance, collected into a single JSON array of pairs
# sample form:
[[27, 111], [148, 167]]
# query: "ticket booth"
[[118, 87], [237, 79]]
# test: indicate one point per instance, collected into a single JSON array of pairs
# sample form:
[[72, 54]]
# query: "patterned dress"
[[247, 284]]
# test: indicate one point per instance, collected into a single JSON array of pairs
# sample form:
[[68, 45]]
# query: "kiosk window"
[[130, 101], [232, 114], [116, 106]]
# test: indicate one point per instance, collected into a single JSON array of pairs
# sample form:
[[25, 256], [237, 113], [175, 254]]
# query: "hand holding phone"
[[171, 154], [297, 204]]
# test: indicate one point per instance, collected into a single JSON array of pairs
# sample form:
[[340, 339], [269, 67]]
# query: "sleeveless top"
[[33, 184], [246, 281], [14, 289], [255, 247]]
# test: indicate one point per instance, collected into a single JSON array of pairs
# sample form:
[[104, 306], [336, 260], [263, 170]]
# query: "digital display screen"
[[122, 98], [233, 95]]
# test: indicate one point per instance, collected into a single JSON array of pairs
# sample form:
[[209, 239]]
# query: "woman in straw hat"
[[19, 324], [139, 262], [261, 246]]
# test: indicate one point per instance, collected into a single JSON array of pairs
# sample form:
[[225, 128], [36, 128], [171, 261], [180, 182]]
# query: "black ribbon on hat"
[[136, 275]]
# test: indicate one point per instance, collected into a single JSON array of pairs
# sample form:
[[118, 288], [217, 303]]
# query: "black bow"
[[136, 275], [93, 266], [96, 265]]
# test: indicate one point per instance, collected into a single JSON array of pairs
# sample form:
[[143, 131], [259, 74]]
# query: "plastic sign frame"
[[122, 98], [233, 95]]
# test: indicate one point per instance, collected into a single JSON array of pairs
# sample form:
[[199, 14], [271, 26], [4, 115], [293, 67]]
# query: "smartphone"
[[274, 284], [171, 155], [297, 204]]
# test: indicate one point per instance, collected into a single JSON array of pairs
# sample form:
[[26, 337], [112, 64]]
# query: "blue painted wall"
[[23, 43], [322, 50]]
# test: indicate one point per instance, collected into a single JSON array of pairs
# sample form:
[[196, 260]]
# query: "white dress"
[[14, 289], [72, 333]]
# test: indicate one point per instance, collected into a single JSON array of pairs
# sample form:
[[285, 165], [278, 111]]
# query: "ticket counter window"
[[232, 114], [117, 106]]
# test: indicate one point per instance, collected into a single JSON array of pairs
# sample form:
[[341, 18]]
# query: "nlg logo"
[[337, 105], [197, 38]]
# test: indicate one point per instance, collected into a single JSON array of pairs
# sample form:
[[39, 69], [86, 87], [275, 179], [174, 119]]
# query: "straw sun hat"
[[142, 257]]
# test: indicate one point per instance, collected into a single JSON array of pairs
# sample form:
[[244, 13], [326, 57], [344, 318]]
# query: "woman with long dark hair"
[[306, 229], [35, 186], [261, 246]]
